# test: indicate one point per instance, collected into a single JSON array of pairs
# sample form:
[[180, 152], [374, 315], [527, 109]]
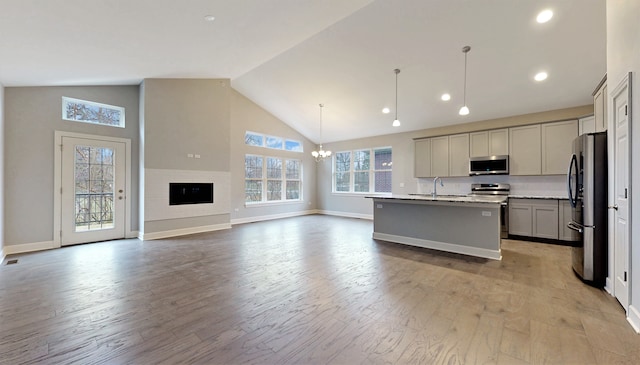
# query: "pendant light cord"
[[397, 71], [321, 106], [464, 97]]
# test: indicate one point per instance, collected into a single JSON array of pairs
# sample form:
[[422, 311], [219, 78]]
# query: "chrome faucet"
[[435, 180]]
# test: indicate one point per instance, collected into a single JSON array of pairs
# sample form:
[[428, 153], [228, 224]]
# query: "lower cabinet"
[[534, 218]]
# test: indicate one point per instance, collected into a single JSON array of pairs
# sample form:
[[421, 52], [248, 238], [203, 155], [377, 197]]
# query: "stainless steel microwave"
[[489, 165]]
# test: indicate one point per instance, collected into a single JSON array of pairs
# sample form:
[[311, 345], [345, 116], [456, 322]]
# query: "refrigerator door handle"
[[573, 196], [575, 226]]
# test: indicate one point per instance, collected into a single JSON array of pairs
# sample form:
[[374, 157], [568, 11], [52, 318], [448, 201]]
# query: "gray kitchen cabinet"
[[600, 107], [489, 143], [564, 217], [525, 150], [422, 158], [557, 143], [586, 125], [534, 218], [440, 156], [520, 218], [459, 155], [545, 219]]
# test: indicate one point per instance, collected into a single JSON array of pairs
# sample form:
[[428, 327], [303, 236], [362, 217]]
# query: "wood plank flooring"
[[305, 290]]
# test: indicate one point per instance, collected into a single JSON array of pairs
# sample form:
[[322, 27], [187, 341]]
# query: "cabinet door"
[[479, 144], [459, 155], [422, 158], [564, 217], [440, 156], [499, 142], [520, 218], [524, 150], [557, 142], [586, 125], [600, 108], [545, 219]]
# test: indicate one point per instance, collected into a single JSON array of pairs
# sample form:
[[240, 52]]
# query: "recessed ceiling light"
[[544, 16], [540, 76], [386, 110], [209, 18], [445, 97]]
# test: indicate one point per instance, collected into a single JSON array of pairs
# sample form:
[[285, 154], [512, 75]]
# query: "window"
[[272, 179], [253, 139], [77, 110], [278, 143], [356, 172], [273, 142]]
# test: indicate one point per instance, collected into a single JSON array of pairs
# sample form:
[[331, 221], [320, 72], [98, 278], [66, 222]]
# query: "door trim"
[[57, 181], [623, 86]]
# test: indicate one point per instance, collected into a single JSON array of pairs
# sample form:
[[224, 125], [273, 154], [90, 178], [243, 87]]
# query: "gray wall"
[[1, 171], [32, 114], [184, 116], [623, 56], [247, 116], [181, 117], [403, 160]]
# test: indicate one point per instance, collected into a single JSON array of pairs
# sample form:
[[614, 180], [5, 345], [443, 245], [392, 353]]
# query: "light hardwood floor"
[[307, 290]]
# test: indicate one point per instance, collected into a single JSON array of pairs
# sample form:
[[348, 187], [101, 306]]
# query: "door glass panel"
[[94, 180]]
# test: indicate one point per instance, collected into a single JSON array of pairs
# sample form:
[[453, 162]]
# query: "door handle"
[[615, 206]]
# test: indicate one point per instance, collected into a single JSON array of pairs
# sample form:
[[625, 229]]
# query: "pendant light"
[[465, 110], [320, 154], [396, 122]]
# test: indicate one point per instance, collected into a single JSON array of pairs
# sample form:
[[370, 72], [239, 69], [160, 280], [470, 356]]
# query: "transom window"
[[363, 171], [278, 143], [77, 110], [272, 179]]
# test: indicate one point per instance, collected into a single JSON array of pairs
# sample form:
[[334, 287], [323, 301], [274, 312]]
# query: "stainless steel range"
[[495, 190]]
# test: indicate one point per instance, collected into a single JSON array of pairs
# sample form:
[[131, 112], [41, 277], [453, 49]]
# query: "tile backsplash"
[[551, 185]]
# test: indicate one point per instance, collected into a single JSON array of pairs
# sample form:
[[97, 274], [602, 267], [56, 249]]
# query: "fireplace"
[[190, 193]]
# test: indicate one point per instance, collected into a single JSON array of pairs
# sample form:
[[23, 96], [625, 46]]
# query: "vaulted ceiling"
[[288, 56]]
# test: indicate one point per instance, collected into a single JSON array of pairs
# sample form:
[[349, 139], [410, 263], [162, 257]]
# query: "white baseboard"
[[346, 214], [272, 216], [608, 286], [442, 246], [633, 317], [28, 247], [182, 232]]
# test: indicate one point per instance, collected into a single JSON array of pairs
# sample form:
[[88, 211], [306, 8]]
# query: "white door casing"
[[621, 115], [69, 207]]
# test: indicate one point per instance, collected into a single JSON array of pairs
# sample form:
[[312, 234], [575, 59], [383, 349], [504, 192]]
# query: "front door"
[[92, 190], [621, 121]]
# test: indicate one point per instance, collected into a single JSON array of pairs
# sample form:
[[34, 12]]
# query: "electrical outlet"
[[486, 213]]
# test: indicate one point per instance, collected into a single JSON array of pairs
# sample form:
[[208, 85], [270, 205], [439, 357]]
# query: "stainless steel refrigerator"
[[587, 190]]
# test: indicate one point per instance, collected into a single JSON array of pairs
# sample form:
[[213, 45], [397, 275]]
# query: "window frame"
[[68, 100], [372, 171], [283, 140], [283, 181]]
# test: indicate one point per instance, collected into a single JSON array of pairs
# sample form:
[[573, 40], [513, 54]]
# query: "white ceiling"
[[290, 55]]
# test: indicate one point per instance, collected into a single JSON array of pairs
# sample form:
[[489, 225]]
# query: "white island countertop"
[[487, 199]]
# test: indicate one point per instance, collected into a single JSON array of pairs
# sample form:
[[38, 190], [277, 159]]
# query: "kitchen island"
[[461, 224]]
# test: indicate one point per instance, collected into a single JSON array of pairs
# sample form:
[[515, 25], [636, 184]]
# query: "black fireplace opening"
[[190, 193]]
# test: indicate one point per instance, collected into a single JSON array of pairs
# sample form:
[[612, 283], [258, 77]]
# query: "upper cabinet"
[[525, 150], [459, 155], [489, 143], [440, 156], [422, 159], [557, 143], [586, 125], [600, 107]]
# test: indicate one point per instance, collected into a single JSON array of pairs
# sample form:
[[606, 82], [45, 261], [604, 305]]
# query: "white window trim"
[[283, 179], [284, 142], [67, 100], [371, 171]]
